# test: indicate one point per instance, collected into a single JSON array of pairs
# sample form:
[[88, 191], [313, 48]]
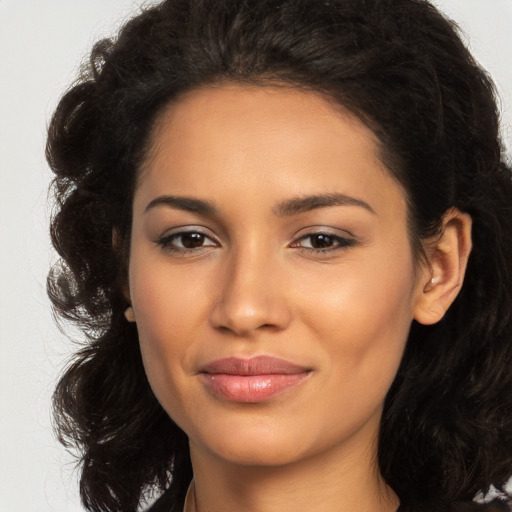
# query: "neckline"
[[190, 501]]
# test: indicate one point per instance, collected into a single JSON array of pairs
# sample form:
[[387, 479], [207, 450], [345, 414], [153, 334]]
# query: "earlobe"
[[442, 277], [129, 314]]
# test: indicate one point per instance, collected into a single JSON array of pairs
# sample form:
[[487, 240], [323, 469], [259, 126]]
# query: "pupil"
[[321, 241], [192, 240]]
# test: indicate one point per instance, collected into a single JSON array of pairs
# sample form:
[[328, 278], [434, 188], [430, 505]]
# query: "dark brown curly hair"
[[402, 69]]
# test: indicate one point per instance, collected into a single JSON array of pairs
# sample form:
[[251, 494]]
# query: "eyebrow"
[[286, 208], [303, 204], [188, 204]]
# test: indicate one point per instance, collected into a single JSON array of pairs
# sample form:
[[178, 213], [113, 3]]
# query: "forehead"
[[233, 141]]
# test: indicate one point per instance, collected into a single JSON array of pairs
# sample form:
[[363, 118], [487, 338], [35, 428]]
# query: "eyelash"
[[166, 242], [339, 242]]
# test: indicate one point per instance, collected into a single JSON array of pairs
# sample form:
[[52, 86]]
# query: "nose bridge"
[[249, 295]]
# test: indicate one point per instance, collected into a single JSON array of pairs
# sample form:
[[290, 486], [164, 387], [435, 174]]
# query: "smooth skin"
[[264, 223]]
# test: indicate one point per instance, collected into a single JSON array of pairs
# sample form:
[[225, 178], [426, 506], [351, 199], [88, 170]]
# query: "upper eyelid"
[[188, 229], [323, 230], [176, 232], [335, 237]]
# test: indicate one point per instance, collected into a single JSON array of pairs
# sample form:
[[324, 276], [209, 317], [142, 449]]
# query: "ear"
[[442, 277]]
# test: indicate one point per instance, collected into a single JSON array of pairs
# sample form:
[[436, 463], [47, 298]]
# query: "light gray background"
[[41, 44]]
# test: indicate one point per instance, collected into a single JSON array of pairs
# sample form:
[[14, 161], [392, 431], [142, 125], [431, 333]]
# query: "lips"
[[252, 380]]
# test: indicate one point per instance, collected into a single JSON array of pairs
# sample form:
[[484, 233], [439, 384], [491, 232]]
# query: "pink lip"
[[252, 380]]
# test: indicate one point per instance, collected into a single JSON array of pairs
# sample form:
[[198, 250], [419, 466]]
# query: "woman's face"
[[271, 274]]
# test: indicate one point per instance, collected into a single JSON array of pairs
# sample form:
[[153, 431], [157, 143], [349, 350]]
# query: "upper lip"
[[258, 365]]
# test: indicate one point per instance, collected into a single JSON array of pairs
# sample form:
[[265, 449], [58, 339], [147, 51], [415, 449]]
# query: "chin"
[[259, 452], [249, 445]]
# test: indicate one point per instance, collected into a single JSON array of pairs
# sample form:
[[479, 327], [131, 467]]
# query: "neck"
[[329, 482]]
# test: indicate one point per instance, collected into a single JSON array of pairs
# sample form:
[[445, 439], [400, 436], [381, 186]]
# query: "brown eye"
[[186, 241], [321, 241], [192, 240]]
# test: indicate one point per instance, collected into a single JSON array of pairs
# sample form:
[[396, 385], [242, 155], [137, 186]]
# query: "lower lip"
[[250, 388]]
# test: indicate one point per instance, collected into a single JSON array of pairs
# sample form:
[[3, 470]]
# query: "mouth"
[[252, 380]]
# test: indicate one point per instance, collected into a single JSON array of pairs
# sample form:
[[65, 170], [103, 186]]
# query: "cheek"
[[167, 298], [167, 306], [363, 316]]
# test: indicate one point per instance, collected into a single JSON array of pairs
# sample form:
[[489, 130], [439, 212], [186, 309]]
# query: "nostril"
[[228, 318]]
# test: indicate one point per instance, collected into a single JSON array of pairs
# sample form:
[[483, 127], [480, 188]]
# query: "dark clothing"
[[495, 506]]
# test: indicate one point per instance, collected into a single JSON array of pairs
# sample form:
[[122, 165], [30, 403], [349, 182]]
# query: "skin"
[[255, 285]]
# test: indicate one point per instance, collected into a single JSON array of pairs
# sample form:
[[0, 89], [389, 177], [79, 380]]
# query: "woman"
[[285, 228]]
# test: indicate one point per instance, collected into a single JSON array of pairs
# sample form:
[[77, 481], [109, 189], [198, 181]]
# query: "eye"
[[323, 242], [186, 241]]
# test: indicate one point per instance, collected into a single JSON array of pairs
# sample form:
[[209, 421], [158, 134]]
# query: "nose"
[[251, 296]]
